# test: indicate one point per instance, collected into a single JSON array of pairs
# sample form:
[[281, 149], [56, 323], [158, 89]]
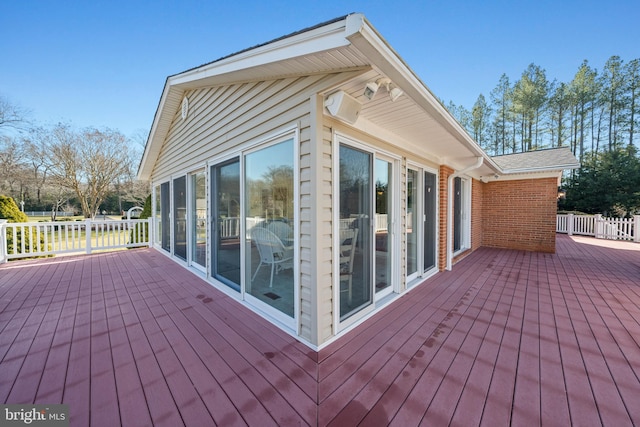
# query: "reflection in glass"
[[457, 214], [198, 219], [157, 215], [383, 223], [180, 217], [355, 213], [269, 208], [165, 223], [225, 190], [412, 222], [430, 221]]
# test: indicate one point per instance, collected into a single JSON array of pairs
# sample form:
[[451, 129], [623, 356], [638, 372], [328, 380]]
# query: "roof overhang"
[[416, 122]]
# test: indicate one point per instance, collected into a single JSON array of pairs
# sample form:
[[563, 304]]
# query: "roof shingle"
[[549, 159]]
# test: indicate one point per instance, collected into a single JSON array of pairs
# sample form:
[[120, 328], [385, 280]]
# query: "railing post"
[[598, 226], [636, 228], [150, 231], [88, 232], [570, 224], [3, 241]]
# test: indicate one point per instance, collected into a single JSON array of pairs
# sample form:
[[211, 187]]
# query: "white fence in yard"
[[36, 239], [600, 227]]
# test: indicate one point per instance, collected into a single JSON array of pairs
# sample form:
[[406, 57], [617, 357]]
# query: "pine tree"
[[501, 97], [480, 117], [632, 80], [584, 91], [613, 90]]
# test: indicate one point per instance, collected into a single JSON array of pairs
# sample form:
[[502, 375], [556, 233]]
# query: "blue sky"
[[104, 63]]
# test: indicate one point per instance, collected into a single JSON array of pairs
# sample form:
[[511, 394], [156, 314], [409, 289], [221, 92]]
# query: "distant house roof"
[[537, 161]]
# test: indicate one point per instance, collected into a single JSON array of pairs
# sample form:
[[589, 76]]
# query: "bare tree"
[[88, 162], [12, 116], [12, 158]]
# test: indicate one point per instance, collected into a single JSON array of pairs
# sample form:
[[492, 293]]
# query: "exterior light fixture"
[[370, 90], [395, 93]]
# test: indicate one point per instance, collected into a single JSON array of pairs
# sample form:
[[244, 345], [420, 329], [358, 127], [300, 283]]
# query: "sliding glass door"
[[198, 219], [355, 195], [270, 219], [422, 222], [180, 217], [384, 220], [165, 217], [430, 221], [414, 214], [457, 214], [225, 208]]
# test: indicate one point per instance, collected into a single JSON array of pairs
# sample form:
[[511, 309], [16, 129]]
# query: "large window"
[[198, 224], [413, 215], [461, 217], [165, 222], [430, 221], [157, 215], [270, 217], [422, 221], [356, 255], [180, 217], [384, 243], [226, 215]]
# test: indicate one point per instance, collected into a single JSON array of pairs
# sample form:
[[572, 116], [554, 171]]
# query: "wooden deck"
[[508, 337]]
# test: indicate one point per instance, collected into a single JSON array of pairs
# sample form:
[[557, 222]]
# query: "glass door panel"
[[198, 219], [226, 239], [384, 221], [457, 214], [430, 221], [165, 217], [413, 215], [180, 217], [270, 216], [355, 195]]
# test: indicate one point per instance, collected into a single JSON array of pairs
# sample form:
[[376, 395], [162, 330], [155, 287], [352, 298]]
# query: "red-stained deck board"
[[168, 326], [387, 332], [526, 409], [253, 410], [445, 374], [553, 401], [425, 326], [507, 337], [469, 408], [32, 368], [295, 362], [456, 381], [131, 398]]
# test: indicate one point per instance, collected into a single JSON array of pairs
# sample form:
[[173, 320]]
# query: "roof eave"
[[541, 169], [364, 36], [317, 39]]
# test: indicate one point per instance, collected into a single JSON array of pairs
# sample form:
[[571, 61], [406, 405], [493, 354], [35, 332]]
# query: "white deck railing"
[[600, 227], [35, 239]]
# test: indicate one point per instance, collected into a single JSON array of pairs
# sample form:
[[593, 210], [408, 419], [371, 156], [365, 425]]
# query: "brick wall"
[[445, 171], [477, 204], [520, 214]]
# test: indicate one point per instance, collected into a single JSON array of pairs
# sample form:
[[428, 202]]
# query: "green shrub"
[[9, 210]]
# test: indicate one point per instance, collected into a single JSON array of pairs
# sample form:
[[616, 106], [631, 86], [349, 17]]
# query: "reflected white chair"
[[282, 230], [348, 239], [272, 251]]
